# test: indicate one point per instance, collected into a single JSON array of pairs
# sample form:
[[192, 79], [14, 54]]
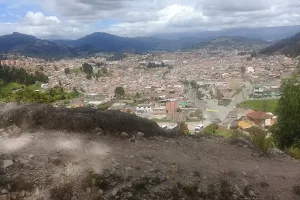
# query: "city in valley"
[[199, 87]]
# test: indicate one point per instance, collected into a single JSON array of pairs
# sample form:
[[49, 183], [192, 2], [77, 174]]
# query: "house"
[[244, 125], [261, 118], [143, 108]]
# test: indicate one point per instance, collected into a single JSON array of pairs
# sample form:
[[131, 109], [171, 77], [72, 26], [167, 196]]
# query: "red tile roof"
[[259, 115]]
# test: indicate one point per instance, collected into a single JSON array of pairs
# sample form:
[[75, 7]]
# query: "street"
[[214, 110]]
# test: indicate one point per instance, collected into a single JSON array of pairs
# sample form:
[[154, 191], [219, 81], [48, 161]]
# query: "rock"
[[13, 196], [36, 191], [13, 131], [204, 178], [251, 193], [31, 156], [235, 197], [132, 139], [7, 163], [244, 173], [140, 135], [124, 135], [100, 192], [5, 197], [88, 190], [22, 193], [114, 192], [4, 191], [238, 190], [131, 157], [74, 198], [245, 182], [276, 152]]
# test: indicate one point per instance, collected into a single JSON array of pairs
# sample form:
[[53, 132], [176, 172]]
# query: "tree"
[[193, 84], [200, 95], [286, 132], [119, 92]]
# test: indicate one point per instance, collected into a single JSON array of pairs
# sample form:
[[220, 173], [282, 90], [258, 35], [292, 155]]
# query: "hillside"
[[289, 47], [37, 162], [231, 43], [30, 46]]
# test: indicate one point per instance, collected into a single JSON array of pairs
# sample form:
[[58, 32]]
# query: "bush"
[[259, 139], [294, 152], [210, 129], [183, 128]]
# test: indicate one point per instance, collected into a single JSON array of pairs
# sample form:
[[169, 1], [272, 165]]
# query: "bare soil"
[[66, 165]]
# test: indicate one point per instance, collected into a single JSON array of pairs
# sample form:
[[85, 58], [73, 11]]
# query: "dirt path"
[[52, 159]]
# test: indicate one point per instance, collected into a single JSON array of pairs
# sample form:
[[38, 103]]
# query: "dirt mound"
[[55, 165], [30, 116]]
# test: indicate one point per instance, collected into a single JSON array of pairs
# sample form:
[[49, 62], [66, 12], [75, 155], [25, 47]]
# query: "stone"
[[244, 173], [131, 157], [31, 156], [204, 178], [238, 190], [276, 152], [4, 191], [13, 196], [22, 193], [36, 191], [114, 192], [88, 190], [100, 192], [124, 135], [74, 198], [7, 163], [140, 135], [13, 130], [251, 193], [245, 182], [5, 197]]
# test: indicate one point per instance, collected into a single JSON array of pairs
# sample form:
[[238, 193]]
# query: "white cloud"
[[75, 18]]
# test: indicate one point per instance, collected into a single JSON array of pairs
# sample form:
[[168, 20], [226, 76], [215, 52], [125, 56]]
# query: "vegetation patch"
[[269, 105]]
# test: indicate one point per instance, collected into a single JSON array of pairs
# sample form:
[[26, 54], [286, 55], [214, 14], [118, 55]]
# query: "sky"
[[72, 19]]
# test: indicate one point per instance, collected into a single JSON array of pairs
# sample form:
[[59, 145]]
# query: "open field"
[[269, 105]]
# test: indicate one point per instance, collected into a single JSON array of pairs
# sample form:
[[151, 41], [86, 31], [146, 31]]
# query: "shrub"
[[210, 129], [294, 152], [183, 128], [259, 139]]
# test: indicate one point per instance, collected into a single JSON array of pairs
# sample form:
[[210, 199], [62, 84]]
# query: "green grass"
[[224, 133], [10, 87], [270, 105], [294, 152]]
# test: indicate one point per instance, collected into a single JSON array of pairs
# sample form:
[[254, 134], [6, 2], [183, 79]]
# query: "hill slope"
[[31, 46], [289, 47], [231, 43]]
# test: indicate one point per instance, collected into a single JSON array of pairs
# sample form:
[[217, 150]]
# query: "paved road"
[[213, 104]]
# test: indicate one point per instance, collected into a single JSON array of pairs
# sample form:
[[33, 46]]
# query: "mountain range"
[[289, 47], [103, 42]]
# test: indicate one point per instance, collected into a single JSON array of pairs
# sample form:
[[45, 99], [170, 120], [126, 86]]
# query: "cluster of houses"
[[246, 118]]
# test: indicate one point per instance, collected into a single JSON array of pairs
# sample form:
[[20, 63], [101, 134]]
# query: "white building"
[[144, 108]]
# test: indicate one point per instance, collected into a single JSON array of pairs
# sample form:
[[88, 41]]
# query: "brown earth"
[[67, 165]]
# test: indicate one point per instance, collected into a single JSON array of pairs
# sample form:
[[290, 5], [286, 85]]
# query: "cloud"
[[76, 18]]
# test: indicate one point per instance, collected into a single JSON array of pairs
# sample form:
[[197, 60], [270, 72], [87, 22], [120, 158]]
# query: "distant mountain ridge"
[[289, 47], [103, 42], [231, 43]]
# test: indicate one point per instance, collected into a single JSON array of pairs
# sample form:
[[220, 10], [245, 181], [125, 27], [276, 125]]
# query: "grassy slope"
[[258, 105]]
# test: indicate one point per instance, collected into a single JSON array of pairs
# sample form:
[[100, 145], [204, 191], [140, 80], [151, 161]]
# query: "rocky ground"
[[63, 165]]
